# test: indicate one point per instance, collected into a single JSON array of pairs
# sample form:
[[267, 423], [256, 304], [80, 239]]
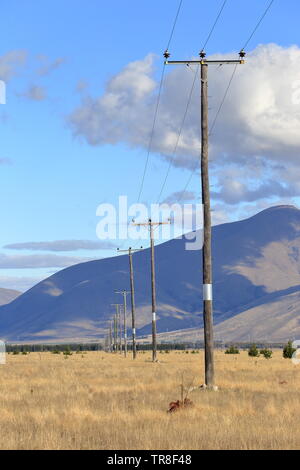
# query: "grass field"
[[104, 401]]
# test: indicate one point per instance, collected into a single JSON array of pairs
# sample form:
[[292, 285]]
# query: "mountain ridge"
[[254, 259]]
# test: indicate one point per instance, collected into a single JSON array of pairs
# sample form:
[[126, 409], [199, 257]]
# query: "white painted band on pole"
[[153, 316], [207, 291], [133, 331]]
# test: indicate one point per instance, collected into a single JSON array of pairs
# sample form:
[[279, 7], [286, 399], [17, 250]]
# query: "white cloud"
[[257, 129]]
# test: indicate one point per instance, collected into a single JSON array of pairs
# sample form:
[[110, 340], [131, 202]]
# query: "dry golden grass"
[[104, 401]]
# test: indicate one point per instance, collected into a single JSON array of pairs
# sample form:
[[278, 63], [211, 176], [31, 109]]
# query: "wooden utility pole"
[[118, 328], [130, 252], [206, 251], [151, 224], [110, 336], [115, 334], [124, 293]]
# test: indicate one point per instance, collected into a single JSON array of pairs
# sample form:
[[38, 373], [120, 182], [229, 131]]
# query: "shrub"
[[253, 351], [288, 350], [267, 353], [15, 352], [67, 351], [56, 351], [232, 350]]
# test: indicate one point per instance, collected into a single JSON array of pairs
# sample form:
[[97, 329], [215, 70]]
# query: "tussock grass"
[[104, 401]]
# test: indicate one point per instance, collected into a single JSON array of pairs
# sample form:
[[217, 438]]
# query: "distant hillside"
[[256, 264], [8, 295]]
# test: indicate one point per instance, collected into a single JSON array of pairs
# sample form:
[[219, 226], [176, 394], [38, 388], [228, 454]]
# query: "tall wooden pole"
[[130, 252], [153, 294], [115, 334], [206, 251], [151, 224], [110, 337], [132, 305]]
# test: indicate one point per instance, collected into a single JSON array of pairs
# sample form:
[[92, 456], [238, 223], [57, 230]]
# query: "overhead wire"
[[189, 101], [227, 91]]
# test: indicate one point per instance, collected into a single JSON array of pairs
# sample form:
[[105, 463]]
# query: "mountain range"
[[256, 270]]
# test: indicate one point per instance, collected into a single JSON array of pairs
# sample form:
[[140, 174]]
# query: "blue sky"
[[68, 52]]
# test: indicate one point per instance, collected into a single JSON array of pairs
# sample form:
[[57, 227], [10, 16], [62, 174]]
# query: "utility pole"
[[151, 224], [130, 253], [110, 336], [124, 293], [118, 328], [206, 251]]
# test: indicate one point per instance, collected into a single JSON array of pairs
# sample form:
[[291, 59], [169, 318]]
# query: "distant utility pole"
[[118, 327], [130, 252], [115, 334], [206, 251], [151, 224], [110, 337], [124, 293]]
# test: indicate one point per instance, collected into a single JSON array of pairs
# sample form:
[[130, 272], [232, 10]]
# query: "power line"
[[189, 101], [226, 93], [214, 25], [223, 100], [178, 137], [157, 104], [174, 25], [258, 24]]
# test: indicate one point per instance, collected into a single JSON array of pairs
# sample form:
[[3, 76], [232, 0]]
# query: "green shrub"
[[232, 350], [67, 351], [55, 351], [253, 351], [267, 353], [288, 350], [15, 352]]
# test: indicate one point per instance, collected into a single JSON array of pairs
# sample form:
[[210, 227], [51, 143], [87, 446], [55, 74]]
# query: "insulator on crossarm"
[[167, 54], [242, 54], [202, 54]]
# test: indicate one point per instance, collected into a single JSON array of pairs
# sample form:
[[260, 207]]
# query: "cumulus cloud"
[[62, 245], [38, 261], [10, 63], [49, 66], [258, 126]]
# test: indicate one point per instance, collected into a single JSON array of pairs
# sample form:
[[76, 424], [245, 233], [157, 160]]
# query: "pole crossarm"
[[203, 62]]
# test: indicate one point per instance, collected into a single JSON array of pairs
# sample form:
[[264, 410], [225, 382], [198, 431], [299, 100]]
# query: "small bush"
[[56, 351], [232, 350], [267, 353], [288, 350], [67, 351], [15, 352], [253, 351]]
